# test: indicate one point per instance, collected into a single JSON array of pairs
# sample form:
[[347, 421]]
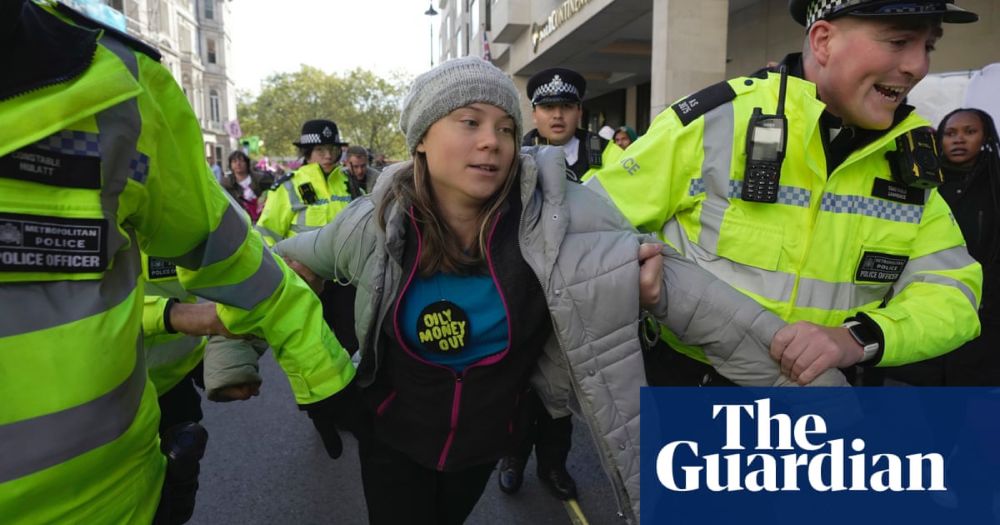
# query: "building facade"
[[191, 35], [639, 56]]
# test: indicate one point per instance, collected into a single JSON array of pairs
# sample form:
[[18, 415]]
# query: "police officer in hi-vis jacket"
[[810, 187]]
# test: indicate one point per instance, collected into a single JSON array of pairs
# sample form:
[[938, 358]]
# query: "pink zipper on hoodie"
[[459, 378]]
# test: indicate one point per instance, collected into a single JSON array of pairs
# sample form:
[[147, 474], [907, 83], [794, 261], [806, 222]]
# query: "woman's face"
[[324, 156], [469, 154], [238, 165], [621, 138], [963, 138]]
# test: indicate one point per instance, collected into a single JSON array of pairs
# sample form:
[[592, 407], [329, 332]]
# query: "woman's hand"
[[650, 274], [314, 281], [236, 393]]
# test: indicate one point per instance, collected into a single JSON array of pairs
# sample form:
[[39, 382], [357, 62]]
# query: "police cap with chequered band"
[[316, 132], [806, 12], [556, 85]]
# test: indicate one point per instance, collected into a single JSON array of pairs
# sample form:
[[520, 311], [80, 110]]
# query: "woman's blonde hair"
[[440, 250]]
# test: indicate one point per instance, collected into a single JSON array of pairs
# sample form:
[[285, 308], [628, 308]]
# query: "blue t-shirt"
[[453, 320]]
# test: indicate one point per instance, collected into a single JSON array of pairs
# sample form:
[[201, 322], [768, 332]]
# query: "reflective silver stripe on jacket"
[[296, 204], [717, 144], [825, 295], [45, 441], [167, 353], [251, 291], [221, 243], [950, 259], [67, 301], [118, 132], [269, 233], [302, 229]]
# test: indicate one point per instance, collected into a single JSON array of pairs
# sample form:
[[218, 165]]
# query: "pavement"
[[265, 464]]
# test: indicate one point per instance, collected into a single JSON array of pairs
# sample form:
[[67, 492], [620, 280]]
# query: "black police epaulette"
[[703, 101], [129, 40], [281, 180]]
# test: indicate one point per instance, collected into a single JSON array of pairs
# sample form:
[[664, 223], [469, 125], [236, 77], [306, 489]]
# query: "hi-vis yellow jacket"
[[101, 155], [831, 247], [288, 211], [169, 357]]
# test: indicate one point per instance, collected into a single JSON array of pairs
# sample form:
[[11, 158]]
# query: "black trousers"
[[181, 403], [338, 312], [550, 437], [398, 490], [667, 367]]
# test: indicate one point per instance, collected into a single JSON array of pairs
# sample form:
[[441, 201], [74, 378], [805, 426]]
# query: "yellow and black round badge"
[[443, 327]]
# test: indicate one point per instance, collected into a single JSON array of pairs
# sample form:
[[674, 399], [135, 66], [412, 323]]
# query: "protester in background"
[[971, 165], [246, 186], [360, 177], [624, 136]]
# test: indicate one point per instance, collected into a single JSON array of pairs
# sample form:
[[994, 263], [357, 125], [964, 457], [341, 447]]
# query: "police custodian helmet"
[[556, 85], [806, 12], [316, 132]]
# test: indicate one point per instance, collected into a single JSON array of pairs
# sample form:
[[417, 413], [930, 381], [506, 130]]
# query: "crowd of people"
[[453, 312]]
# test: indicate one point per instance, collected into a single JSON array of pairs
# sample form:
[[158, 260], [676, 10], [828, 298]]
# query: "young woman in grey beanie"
[[482, 273]]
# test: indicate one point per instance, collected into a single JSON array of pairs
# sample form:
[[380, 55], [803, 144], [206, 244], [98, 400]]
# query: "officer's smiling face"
[[869, 65], [557, 122]]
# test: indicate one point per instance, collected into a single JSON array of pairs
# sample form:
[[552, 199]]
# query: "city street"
[[265, 464]]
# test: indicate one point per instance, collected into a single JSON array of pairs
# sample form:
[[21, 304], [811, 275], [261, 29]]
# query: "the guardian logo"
[[797, 456]]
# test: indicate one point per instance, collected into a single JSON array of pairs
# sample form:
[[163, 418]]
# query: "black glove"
[[342, 410], [327, 427]]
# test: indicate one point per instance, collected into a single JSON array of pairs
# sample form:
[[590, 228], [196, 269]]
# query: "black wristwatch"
[[863, 336]]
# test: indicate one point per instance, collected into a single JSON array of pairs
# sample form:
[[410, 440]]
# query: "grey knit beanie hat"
[[452, 85]]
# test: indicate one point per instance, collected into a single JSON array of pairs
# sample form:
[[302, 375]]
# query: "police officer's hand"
[[806, 350], [314, 281], [197, 319], [650, 274]]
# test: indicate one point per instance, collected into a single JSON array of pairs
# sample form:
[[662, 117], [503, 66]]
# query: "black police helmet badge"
[[806, 12], [556, 85], [316, 132]]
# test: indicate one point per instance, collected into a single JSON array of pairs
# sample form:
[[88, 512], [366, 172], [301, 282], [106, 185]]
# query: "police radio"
[[594, 151], [308, 193], [765, 150], [916, 162]]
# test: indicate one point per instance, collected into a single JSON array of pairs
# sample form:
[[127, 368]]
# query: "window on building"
[[210, 9], [213, 106], [118, 5], [164, 16], [185, 38], [210, 44], [473, 16]]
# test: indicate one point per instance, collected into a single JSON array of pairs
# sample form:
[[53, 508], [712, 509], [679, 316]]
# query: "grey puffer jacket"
[[585, 255]]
